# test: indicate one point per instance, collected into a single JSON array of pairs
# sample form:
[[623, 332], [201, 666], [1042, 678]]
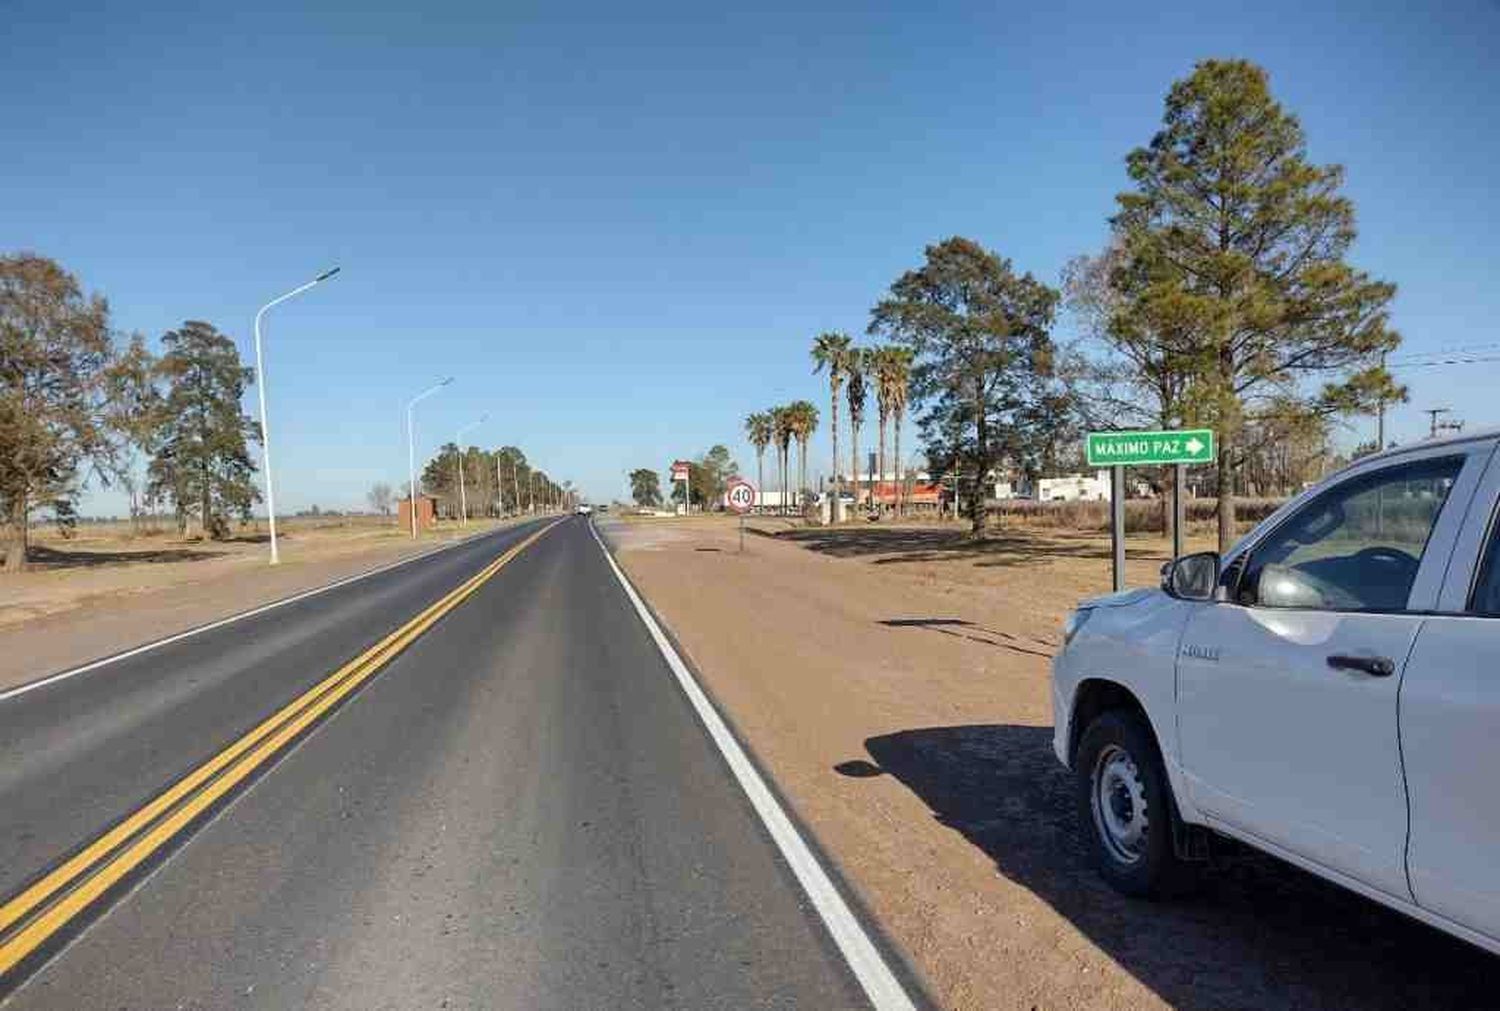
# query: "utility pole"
[[1433, 413], [463, 507], [463, 499], [1380, 415]]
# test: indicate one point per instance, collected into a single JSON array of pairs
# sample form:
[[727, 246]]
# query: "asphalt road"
[[519, 810]]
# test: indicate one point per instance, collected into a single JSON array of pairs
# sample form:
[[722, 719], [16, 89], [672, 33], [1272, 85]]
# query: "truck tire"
[[1126, 806]]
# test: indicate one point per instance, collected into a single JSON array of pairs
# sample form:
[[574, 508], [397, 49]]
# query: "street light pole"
[[411, 452], [265, 425], [463, 500]]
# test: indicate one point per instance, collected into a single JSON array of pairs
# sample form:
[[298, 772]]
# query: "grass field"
[[116, 542], [1141, 515]]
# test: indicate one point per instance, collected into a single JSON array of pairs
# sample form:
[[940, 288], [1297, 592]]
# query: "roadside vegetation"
[[1223, 299], [78, 402], [81, 403], [500, 482]]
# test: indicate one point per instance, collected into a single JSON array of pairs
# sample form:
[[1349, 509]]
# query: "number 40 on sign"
[[740, 496]]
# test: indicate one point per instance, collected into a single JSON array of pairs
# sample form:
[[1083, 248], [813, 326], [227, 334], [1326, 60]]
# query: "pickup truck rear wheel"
[[1126, 807]]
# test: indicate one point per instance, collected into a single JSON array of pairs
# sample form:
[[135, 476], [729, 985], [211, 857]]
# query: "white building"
[[1009, 488], [765, 500], [1075, 488], [870, 480]]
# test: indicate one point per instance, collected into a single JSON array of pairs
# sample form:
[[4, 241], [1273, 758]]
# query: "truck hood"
[[1124, 598]]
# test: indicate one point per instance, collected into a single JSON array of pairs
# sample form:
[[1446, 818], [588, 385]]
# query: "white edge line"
[[869, 967], [52, 679]]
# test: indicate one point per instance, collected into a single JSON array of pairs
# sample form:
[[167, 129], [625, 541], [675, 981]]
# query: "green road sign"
[[1117, 449]]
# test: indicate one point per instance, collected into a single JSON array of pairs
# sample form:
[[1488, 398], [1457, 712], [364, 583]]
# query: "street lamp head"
[[326, 275]]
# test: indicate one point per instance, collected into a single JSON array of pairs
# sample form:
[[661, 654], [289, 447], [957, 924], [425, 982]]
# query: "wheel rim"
[[1118, 799]]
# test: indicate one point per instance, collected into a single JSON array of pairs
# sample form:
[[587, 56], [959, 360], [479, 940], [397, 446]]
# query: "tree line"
[[78, 402], [1223, 299], [498, 482], [708, 478]]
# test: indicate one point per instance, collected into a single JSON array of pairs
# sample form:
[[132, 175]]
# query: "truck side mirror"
[[1192, 577]]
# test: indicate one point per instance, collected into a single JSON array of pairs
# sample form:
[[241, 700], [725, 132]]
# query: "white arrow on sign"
[[1194, 446]]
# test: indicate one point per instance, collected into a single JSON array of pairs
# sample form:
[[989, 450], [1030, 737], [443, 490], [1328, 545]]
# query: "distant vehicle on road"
[[584, 509], [1326, 692]]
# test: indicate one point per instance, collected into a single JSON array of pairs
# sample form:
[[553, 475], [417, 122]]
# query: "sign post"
[[1118, 450], [1117, 526], [1179, 474], [682, 471], [740, 496]]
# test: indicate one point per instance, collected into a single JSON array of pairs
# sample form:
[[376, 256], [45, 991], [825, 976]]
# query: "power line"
[[1461, 360], [1449, 352]]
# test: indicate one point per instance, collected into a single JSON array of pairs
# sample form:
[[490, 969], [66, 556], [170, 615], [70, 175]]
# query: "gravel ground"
[[894, 682]]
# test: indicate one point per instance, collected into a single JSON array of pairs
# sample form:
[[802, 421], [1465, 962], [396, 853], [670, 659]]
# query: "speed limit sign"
[[740, 496]]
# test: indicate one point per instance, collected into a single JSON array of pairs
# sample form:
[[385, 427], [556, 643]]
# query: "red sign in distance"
[[740, 495]]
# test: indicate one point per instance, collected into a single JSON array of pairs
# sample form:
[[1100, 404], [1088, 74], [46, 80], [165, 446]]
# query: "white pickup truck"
[[1328, 692]]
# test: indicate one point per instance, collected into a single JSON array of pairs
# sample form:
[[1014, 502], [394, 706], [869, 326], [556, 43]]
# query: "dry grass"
[[158, 529], [1141, 515]]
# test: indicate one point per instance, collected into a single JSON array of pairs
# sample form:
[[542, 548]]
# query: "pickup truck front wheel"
[[1126, 807]]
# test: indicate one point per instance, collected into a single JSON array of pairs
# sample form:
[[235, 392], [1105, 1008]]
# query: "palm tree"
[[781, 422], [760, 430], [883, 365], [804, 421], [858, 368], [900, 376], [833, 351]]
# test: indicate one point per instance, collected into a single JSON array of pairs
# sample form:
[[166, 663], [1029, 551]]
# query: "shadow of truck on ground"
[[1259, 933]]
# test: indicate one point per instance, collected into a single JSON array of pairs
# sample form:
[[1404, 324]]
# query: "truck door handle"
[[1375, 666]]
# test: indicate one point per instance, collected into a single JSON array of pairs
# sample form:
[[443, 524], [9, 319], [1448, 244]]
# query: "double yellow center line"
[[29, 919]]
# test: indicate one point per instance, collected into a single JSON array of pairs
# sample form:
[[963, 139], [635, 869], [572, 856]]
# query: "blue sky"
[[619, 227]]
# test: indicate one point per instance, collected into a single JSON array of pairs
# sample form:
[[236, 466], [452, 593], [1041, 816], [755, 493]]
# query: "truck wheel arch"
[[1098, 695]]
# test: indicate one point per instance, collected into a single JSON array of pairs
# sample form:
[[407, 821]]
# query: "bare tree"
[[379, 497]]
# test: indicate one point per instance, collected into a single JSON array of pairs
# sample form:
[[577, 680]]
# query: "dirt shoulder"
[[894, 681], [98, 594]]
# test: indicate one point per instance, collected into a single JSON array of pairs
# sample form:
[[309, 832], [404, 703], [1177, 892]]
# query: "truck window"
[[1486, 596], [1356, 547]]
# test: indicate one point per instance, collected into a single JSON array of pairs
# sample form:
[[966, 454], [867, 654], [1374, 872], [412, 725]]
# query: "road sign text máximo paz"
[[1116, 449]]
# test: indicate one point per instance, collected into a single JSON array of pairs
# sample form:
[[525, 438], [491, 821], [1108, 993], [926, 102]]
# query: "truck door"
[[1450, 734], [1287, 692]]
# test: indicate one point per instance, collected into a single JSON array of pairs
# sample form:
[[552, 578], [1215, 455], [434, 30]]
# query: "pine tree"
[[202, 460], [1233, 266]]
